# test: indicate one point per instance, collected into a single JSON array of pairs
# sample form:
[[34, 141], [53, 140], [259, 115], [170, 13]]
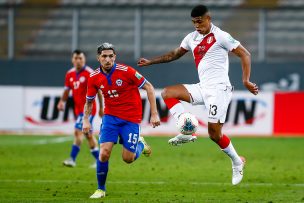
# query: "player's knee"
[[104, 155], [89, 136], [166, 93], [128, 159]]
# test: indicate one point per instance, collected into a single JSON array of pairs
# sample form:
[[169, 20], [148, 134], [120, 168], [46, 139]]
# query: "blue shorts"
[[79, 120], [114, 127]]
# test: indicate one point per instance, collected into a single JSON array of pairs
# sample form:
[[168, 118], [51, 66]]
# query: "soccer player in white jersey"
[[210, 47]]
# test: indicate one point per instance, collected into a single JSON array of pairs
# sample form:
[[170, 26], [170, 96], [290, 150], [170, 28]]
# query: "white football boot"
[[147, 149], [69, 162], [182, 139], [98, 194], [238, 172]]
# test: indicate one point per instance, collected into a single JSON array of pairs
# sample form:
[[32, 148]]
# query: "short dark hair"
[[77, 52], [199, 10], [105, 46]]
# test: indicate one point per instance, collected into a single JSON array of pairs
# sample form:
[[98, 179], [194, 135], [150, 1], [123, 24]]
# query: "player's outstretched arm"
[[241, 52], [63, 99], [100, 100], [154, 120], [87, 112], [170, 56]]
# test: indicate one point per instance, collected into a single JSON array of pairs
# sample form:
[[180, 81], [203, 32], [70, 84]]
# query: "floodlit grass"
[[31, 171]]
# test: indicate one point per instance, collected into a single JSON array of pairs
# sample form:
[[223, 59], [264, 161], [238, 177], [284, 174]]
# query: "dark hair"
[[105, 46], [199, 10], [77, 52]]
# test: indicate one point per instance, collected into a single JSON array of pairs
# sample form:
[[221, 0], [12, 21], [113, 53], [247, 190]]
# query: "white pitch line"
[[50, 141], [154, 182]]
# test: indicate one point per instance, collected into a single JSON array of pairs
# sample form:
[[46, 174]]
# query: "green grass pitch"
[[31, 171]]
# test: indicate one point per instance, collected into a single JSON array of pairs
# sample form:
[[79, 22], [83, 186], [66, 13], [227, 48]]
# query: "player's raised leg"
[[133, 144], [78, 137], [215, 133], [172, 96]]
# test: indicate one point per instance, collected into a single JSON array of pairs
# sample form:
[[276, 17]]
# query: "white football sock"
[[230, 151], [177, 110]]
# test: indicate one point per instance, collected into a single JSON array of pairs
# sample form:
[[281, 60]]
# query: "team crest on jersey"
[[82, 79], [119, 82], [139, 76], [101, 86], [210, 39]]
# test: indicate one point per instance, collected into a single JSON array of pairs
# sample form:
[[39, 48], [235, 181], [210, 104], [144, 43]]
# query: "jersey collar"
[[108, 76], [78, 72]]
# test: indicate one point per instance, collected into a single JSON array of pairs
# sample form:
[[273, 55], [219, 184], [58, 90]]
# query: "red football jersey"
[[120, 89], [77, 82]]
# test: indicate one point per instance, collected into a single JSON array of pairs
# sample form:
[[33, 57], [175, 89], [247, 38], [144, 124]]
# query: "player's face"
[[202, 24], [106, 59], [78, 60]]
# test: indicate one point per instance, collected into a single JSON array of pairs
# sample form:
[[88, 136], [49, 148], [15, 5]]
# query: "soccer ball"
[[187, 124]]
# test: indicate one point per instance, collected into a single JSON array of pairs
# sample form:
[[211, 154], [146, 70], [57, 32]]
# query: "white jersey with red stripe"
[[210, 54]]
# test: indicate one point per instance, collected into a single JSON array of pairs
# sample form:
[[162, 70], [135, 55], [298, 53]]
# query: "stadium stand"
[[290, 3], [153, 2], [47, 32], [3, 32], [284, 36]]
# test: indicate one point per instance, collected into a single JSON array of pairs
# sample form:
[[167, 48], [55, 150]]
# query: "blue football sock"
[[139, 149], [95, 152], [102, 172], [74, 151]]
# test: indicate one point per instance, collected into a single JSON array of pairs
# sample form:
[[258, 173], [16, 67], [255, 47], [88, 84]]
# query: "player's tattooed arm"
[[154, 120], [63, 99], [87, 112], [170, 56], [245, 57], [100, 100]]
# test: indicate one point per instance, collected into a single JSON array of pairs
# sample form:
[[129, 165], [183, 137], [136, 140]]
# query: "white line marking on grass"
[[154, 182], [51, 141]]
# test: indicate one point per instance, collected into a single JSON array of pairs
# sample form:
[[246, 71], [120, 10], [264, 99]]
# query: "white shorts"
[[216, 99]]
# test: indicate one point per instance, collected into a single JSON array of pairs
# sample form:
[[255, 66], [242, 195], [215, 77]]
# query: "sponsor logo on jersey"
[[119, 82], [201, 49], [132, 147], [139, 76], [71, 79], [82, 79]]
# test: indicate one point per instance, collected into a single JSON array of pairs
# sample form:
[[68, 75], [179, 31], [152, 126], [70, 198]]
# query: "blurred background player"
[[123, 111], [76, 79], [210, 46]]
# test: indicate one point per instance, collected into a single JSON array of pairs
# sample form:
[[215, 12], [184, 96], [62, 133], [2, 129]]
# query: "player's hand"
[[100, 112], [60, 105], [86, 126], [143, 62], [154, 120], [252, 87]]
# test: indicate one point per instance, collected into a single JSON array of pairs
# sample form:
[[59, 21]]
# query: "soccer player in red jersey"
[[123, 111], [76, 80], [210, 47]]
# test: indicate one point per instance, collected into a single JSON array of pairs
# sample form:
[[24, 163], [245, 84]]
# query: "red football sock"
[[171, 102], [224, 142], [175, 106]]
